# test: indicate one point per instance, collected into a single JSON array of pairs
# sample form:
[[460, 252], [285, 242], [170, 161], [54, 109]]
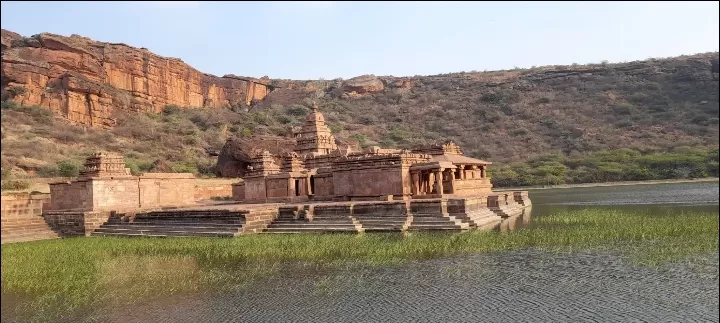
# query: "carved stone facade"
[[102, 164], [317, 170]]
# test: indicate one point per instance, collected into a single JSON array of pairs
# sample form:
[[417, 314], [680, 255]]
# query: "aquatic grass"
[[51, 278]]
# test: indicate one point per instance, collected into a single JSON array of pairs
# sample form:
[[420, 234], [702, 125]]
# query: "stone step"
[[311, 225], [347, 220], [24, 226], [390, 229], [199, 217], [27, 238], [194, 227], [432, 220], [138, 235], [333, 216], [187, 233], [446, 228], [29, 232], [382, 224], [171, 228], [433, 226], [176, 224], [376, 219], [215, 221], [382, 228], [191, 213], [23, 230], [37, 219], [310, 230]]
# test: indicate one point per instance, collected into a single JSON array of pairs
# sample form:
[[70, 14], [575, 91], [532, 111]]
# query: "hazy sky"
[[314, 39]]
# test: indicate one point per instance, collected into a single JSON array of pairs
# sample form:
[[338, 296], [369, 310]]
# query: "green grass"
[[72, 274]]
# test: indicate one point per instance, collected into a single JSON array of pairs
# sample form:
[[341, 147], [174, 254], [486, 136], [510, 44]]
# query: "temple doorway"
[[312, 185]]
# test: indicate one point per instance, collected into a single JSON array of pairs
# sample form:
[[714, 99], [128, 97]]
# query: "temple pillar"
[[482, 172], [438, 181], [415, 185]]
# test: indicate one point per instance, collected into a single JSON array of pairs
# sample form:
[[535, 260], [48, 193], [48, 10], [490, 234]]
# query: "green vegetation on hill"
[[655, 119], [610, 166]]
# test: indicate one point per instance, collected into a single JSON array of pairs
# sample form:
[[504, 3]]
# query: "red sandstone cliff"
[[85, 80]]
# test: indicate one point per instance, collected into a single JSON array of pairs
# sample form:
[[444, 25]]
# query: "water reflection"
[[522, 220], [517, 286]]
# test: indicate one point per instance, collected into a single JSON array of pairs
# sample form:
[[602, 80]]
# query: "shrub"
[[50, 170], [15, 185], [68, 168], [16, 90]]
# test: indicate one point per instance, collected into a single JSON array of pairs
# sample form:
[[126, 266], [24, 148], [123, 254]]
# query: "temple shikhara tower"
[[314, 137], [319, 171]]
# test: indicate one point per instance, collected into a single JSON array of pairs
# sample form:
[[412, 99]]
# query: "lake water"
[[516, 286]]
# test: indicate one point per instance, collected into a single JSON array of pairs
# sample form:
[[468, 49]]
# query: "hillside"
[[569, 112]]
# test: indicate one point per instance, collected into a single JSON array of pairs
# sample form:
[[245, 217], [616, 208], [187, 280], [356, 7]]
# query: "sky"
[[330, 39]]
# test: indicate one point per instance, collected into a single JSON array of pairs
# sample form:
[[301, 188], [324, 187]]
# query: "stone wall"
[[71, 195], [255, 191], [257, 219], [332, 210], [368, 182], [166, 189], [124, 192], [379, 209], [19, 206], [323, 185], [238, 191], [108, 194], [277, 187], [75, 223], [472, 186], [21, 218], [206, 189], [429, 207]]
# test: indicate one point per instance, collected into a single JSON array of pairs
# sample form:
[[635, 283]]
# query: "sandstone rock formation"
[[85, 80], [237, 152], [364, 84]]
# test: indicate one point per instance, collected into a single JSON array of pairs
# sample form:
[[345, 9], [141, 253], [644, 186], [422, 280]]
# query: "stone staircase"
[[185, 223], [422, 222], [508, 210], [376, 217], [480, 218], [26, 229], [298, 219]]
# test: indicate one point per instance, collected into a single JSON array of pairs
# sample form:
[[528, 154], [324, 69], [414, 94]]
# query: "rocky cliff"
[[84, 80]]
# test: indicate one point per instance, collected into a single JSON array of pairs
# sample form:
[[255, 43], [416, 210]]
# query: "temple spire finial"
[[314, 106]]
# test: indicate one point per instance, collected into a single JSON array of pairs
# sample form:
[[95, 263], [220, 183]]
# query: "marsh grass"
[[54, 278]]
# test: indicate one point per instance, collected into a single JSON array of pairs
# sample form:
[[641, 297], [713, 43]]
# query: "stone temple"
[[317, 170], [315, 188]]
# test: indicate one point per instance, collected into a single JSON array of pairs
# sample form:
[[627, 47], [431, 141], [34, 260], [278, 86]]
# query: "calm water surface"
[[516, 286]]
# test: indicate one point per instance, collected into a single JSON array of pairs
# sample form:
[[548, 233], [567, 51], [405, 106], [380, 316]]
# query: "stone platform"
[[228, 220]]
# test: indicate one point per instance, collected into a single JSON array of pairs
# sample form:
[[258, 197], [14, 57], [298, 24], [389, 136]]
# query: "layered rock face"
[[84, 81]]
